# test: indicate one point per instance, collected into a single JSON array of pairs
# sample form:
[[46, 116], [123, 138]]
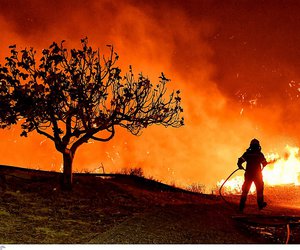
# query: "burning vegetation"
[[215, 59]]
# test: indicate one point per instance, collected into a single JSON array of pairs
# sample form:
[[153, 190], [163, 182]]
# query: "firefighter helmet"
[[255, 144]]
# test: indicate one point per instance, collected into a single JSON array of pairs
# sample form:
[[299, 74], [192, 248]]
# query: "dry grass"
[[122, 209], [36, 211]]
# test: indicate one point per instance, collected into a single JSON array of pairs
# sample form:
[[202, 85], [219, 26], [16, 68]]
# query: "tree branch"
[[105, 139], [68, 133], [44, 133]]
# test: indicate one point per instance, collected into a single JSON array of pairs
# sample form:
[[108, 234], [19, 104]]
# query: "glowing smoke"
[[212, 51]]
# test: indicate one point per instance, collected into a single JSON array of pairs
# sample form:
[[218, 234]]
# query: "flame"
[[282, 171], [285, 170]]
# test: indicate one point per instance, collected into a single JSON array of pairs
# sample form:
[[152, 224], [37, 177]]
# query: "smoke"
[[233, 62]]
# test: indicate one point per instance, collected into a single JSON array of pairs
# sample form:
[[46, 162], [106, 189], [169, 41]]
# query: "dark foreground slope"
[[117, 209]]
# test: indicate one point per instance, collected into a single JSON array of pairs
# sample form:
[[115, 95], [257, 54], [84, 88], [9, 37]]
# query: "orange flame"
[[283, 170]]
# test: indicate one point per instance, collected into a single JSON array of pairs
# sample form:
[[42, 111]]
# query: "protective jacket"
[[255, 160]]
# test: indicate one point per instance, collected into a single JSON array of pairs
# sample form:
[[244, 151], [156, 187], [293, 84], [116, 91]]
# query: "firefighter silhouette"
[[255, 162]]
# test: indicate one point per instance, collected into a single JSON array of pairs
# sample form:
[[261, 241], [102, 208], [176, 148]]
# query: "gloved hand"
[[240, 166]]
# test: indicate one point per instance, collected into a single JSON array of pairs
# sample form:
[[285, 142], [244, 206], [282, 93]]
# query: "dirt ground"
[[131, 210], [176, 224]]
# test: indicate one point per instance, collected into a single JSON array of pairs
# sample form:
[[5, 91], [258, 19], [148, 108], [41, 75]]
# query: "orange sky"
[[214, 51]]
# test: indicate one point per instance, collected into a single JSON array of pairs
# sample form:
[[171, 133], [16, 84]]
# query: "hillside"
[[128, 209]]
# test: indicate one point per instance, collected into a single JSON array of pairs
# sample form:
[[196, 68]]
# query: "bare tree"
[[72, 96]]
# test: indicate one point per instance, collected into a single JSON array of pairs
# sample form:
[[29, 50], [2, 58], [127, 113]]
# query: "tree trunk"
[[67, 176]]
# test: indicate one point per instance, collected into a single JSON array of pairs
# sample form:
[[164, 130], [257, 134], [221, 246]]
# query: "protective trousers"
[[259, 184]]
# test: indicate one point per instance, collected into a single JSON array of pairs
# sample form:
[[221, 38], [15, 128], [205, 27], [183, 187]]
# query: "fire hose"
[[231, 205], [220, 189]]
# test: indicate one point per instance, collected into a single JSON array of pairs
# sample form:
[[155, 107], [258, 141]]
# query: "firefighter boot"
[[242, 204], [262, 205], [260, 202]]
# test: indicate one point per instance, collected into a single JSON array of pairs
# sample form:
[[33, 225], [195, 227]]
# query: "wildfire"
[[284, 170]]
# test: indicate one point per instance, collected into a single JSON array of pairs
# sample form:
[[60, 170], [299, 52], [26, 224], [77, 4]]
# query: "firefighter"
[[255, 162]]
